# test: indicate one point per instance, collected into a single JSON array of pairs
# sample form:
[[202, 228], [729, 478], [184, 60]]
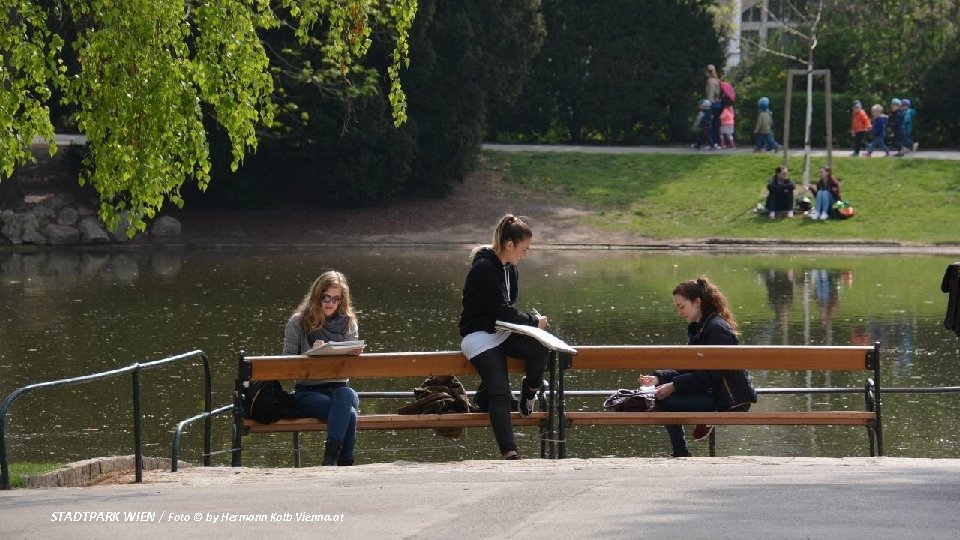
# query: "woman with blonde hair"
[[326, 314], [716, 103], [710, 322]]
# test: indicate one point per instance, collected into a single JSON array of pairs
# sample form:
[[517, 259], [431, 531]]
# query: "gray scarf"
[[334, 329]]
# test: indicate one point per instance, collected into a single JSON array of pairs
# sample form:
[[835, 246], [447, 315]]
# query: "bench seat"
[[785, 418], [393, 421]]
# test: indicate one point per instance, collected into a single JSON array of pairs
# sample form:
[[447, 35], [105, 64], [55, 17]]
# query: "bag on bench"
[[624, 400], [267, 401], [439, 395]]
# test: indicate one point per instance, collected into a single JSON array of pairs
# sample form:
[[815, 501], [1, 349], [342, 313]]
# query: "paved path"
[[794, 152], [715, 498]]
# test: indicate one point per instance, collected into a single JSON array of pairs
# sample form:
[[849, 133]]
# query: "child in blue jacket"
[[879, 130]]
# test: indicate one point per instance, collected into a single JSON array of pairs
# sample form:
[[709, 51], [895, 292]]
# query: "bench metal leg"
[[237, 447], [713, 442], [296, 448]]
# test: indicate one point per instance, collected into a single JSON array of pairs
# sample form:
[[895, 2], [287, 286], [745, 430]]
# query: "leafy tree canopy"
[[141, 75]]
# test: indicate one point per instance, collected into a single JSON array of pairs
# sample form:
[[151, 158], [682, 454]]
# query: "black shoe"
[[528, 400], [512, 457], [332, 453], [345, 462]]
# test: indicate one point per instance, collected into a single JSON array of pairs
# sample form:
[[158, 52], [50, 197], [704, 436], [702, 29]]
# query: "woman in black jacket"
[[489, 295], [706, 310]]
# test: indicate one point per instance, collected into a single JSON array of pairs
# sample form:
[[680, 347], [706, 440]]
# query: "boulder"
[[11, 226], [60, 201], [165, 227], [68, 216], [31, 230], [62, 235], [45, 215], [92, 231], [119, 234]]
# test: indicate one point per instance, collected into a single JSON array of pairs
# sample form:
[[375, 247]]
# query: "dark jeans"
[[492, 367], [716, 108], [337, 404], [858, 141], [684, 403]]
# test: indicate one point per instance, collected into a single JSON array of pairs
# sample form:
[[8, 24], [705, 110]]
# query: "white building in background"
[[759, 21]]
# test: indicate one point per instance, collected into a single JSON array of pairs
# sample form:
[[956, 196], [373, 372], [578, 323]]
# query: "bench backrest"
[[401, 364], [759, 357]]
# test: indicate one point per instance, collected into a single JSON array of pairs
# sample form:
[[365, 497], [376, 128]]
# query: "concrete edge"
[[91, 471]]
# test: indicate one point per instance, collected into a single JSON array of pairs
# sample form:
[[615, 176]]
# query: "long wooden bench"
[[645, 359], [371, 365]]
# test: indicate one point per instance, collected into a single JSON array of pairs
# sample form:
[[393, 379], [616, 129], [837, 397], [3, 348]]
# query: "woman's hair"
[[711, 299], [311, 309], [712, 71], [779, 170], [511, 228], [825, 181]]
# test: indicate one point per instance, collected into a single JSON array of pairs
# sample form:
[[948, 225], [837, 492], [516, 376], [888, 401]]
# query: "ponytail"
[[711, 299]]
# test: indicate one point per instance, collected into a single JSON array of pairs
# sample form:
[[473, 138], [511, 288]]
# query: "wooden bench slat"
[[393, 421], [646, 357], [846, 418], [408, 364]]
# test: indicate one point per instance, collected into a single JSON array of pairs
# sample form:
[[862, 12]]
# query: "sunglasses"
[[327, 299]]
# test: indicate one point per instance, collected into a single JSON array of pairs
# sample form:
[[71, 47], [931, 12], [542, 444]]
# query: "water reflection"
[[66, 313]]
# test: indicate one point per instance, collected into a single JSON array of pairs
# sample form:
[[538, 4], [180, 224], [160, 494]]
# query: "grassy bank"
[[699, 195], [19, 470]]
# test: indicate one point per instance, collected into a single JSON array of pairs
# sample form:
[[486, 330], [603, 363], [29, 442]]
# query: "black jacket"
[[951, 285], [730, 388], [490, 294]]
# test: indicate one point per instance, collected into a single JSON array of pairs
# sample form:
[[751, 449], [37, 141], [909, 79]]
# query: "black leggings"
[[492, 367]]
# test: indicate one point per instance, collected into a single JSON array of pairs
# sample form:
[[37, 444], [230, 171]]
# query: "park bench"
[[369, 365], [645, 359]]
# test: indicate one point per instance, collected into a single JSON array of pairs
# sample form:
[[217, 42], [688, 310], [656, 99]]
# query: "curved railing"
[[137, 416]]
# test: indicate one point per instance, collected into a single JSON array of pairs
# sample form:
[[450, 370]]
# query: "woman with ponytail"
[[710, 322], [490, 294]]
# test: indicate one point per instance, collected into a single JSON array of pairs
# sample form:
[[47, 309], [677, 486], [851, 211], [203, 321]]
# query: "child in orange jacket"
[[859, 127]]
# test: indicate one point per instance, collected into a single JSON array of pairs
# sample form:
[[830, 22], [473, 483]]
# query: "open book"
[[549, 340], [336, 347]]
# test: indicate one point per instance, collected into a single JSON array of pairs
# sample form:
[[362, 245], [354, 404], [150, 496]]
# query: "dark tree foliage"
[[616, 71], [940, 98], [338, 142]]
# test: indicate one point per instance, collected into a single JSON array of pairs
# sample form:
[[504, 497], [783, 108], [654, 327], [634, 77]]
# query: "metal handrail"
[[175, 454], [137, 416]]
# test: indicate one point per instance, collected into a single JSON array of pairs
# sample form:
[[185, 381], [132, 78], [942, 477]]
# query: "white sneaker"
[[915, 145], [824, 216], [814, 214]]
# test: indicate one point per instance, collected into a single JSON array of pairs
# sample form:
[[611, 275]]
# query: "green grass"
[[667, 196], [19, 470]]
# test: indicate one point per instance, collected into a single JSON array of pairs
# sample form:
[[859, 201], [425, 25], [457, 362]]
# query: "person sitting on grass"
[[780, 193], [827, 191]]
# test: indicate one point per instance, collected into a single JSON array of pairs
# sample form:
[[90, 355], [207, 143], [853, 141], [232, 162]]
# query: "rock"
[[85, 210], [45, 215], [62, 235], [11, 226], [31, 230], [165, 227], [59, 201], [92, 232], [120, 233], [68, 216]]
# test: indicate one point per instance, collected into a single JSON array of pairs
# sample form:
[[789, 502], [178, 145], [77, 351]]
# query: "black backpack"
[[267, 401]]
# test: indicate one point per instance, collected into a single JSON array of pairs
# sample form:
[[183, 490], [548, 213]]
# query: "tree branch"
[[762, 48]]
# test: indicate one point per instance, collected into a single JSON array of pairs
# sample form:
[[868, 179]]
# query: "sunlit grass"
[[664, 196]]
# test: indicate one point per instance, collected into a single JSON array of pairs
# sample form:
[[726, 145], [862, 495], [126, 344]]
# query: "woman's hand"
[[542, 322], [355, 352], [648, 380], [664, 391], [318, 343]]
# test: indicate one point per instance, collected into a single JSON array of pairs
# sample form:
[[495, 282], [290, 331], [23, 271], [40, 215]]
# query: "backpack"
[[439, 395], [727, 94], [267, 401]]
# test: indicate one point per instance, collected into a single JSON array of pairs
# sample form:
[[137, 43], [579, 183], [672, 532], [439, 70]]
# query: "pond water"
[[69, 313]]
